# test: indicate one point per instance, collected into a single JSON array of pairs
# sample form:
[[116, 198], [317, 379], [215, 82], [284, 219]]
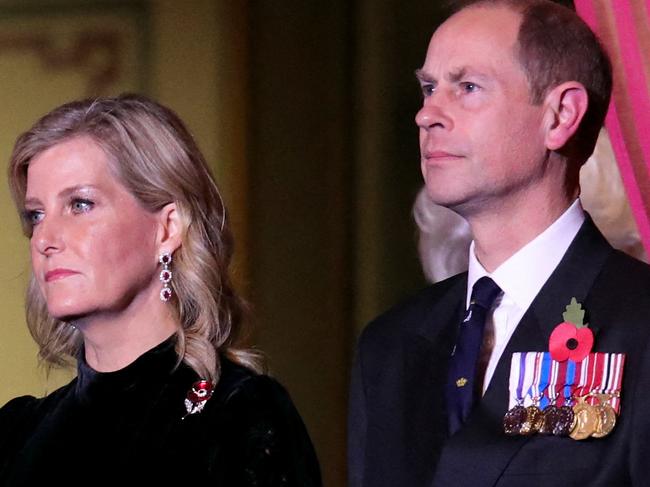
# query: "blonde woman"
[[130, 248]]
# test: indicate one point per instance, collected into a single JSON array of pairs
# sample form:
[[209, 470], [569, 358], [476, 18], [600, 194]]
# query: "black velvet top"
[[127, 427]]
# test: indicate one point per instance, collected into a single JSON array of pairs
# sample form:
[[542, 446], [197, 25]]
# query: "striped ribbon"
[[534, 375]]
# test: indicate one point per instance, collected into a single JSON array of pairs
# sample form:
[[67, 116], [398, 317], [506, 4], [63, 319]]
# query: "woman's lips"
[[57, 274]]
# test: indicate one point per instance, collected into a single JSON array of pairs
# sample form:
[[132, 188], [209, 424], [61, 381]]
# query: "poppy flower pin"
[[197, 396], [571, 339]]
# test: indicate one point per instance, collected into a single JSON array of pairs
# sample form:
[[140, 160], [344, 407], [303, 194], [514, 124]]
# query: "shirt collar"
[[524, 273]]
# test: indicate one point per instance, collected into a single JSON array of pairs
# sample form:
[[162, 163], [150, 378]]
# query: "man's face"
[[481, 140]]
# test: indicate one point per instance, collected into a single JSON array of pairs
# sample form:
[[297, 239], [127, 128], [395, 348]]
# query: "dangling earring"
[[165, 276]]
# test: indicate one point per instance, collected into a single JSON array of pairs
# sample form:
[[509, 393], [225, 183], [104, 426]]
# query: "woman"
[[130, 250]]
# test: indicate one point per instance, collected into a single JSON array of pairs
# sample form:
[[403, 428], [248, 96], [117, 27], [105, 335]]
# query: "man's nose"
[[433, 115]]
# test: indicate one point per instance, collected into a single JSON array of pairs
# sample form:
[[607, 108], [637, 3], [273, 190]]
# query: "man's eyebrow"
[[460, 73], [422, 76], [457, 75]]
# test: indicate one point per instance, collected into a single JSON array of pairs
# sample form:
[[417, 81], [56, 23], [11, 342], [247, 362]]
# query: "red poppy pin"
[[571, 339], [197, 396]]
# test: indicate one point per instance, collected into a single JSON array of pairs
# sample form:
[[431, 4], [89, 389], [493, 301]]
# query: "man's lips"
[[436, 155], [56, 274]]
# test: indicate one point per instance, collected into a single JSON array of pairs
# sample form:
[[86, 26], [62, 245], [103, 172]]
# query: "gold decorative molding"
[[99, 53]]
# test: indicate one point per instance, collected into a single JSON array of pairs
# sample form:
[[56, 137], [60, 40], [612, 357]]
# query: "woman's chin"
[[66, 313]]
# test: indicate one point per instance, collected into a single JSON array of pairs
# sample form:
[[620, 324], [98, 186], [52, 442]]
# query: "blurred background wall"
[[305, 110]]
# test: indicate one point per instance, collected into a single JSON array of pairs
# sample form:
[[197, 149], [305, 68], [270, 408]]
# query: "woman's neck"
[[112, 340]]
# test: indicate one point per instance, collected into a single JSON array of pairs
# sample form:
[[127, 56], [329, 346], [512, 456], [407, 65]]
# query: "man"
[[514, 94]]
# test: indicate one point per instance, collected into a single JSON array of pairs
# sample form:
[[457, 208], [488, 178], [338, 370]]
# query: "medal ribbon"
[[602, 378], [569, 381], [559, 384], [594, 369], [517, 370], [529, 377], [534, 375], [582, 376], [551, 391], [615, 380], [533, 392], [545, 378]]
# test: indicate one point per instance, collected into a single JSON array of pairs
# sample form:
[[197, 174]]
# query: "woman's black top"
[[127, 427]]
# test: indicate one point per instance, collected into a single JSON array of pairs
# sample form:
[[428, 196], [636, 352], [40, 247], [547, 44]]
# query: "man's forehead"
[[494, 24], [477, 37], [504, 15]]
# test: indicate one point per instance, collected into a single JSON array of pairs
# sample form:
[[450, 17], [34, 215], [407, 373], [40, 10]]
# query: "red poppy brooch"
[[198, 396], [571, 339]]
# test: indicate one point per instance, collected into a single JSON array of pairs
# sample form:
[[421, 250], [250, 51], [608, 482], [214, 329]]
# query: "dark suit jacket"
[[398, 433]]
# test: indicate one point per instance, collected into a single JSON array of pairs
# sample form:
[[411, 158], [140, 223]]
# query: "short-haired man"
[[514, 94]]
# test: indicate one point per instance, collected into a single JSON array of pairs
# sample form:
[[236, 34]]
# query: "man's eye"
[[469, 87], [428, 89], [81, 205]]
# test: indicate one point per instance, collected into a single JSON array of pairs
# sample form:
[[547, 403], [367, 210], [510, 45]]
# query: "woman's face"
[[93, 247]]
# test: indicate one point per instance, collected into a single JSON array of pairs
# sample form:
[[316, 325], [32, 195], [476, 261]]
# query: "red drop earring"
[[165, 276]]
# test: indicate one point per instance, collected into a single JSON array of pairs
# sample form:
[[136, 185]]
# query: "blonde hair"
[[443, 238], [155, 157]]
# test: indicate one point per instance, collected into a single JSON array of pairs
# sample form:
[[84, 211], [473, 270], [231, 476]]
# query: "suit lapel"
[[482, 440], [425, 367]]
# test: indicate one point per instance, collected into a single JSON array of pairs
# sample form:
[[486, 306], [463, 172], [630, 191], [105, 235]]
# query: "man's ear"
[[169, 229], [566, 105]]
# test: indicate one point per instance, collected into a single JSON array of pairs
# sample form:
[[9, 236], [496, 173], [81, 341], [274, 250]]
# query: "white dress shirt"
[[520, 278]]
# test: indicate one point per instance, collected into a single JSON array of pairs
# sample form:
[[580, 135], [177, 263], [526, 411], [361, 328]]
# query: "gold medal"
[[606, 422], [586, 420], [607, 416]]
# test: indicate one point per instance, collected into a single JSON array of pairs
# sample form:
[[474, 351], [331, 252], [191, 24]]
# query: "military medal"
[[586, 416], [516, 417], [607, 417], [534, 420], [568, 391], [586, 420], [558, 420], [534, 415], [605, 413]]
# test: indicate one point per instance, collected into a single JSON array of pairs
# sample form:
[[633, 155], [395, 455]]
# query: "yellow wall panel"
[[56, 51]]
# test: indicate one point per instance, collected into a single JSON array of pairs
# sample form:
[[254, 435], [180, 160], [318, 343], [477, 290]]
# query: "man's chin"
[[445, 198]]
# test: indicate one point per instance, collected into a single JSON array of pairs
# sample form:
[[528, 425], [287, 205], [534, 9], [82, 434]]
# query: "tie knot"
[[484, 292]]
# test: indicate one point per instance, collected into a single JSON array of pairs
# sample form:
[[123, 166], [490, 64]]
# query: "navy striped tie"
[[462, 390]]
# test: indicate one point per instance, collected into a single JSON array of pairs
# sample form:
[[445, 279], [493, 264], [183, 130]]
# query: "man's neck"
[[501, 232]]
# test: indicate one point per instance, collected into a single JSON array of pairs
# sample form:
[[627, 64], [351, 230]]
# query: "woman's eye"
[[81, 205], [32, 217]]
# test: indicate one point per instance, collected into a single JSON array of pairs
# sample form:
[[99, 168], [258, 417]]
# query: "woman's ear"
[[566, 107], [170, 229]]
